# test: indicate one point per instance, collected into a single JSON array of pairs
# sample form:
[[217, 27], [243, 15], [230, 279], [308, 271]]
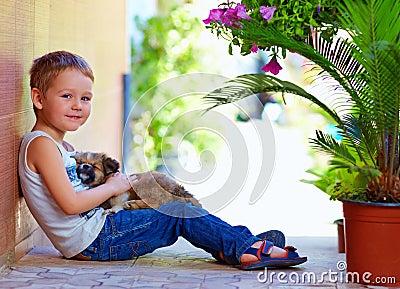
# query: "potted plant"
[[356, 43]]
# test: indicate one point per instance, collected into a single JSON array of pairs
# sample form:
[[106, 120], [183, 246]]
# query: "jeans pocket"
[[129, 250]]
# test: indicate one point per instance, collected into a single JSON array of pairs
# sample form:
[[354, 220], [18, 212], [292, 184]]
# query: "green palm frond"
[[339, 52], [362, 134], [335, 58], [248, 84], [331, 57], [365, 171], [325, 143], [375, 27]]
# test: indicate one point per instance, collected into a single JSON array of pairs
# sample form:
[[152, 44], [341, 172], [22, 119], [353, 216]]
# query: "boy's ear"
[[37, 98]]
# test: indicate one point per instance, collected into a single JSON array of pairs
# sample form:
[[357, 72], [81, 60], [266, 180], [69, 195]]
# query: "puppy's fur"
[[151, 190]]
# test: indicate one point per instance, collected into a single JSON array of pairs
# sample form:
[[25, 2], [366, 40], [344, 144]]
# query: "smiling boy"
[[69, 212]]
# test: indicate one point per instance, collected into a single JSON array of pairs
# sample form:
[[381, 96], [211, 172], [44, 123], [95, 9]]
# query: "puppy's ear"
[[78, 157], [110, 165]]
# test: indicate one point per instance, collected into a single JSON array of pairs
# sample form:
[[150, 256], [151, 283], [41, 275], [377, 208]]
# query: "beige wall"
[[96, 30]]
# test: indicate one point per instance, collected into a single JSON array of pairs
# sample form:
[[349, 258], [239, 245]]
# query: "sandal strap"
[[291, 252], [265, 248], [290, 248]]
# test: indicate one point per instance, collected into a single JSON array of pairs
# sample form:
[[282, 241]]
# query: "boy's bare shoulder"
[[41, 150], [41, 142]]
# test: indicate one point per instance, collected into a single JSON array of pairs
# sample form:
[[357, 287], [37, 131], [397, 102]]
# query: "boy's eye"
[[67, 95], [86, 98]]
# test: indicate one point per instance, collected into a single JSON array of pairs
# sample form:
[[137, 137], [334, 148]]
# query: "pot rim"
[[376, 204]]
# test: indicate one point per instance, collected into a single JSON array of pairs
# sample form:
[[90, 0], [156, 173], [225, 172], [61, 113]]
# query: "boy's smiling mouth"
[[74, 117]]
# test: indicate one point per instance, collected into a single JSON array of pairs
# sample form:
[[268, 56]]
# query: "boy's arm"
[[44, 158]]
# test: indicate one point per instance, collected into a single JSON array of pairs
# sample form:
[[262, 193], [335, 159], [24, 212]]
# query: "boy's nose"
[[77, 105]]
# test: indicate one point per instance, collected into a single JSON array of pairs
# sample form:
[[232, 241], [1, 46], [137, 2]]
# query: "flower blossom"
[[273, 66], [214, 16], [230, 16], [254, 48], [241, 13], [267, 12]]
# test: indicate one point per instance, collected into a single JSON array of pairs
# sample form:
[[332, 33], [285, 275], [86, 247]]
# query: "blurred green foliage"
[[168, 49]]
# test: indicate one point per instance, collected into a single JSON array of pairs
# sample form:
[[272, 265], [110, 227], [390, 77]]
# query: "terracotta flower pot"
[[372, 233], [340, 231]]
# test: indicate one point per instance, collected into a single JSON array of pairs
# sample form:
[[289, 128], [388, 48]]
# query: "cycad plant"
[[357, 44]]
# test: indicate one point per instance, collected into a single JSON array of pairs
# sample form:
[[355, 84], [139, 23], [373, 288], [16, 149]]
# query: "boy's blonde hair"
[[47, 67]]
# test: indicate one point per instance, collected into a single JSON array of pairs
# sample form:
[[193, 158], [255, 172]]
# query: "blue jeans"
[[132, 233]]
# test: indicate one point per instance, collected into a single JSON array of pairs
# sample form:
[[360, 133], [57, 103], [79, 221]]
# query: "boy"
[[69, 213]]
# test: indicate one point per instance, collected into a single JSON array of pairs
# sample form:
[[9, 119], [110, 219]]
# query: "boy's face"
[[66, 104]]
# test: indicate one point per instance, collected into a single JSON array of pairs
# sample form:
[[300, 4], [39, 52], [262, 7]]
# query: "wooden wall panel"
[[25, 225], [95, 29], [8, 91], [7, 58], [41, 27], [7, 180]]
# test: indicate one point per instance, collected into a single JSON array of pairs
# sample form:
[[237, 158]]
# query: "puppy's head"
[[94, 168]]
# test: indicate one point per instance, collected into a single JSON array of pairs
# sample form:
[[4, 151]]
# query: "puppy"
[[151, 190]]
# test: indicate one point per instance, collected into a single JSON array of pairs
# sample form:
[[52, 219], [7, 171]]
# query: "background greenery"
[[168, 49]]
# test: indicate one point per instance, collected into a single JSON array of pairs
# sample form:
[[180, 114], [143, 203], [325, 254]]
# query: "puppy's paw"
[[130, 205], [113, 210], [135, 205]]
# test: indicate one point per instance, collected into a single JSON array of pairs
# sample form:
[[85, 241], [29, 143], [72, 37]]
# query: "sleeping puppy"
[[151, 190]]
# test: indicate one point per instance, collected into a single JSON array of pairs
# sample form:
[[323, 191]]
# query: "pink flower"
[[214, 16], [230, 16], [267, 12], [241, 12], [272, 66], [254, 48]]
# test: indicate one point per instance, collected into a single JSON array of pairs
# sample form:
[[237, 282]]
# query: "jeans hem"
[[246, 246]]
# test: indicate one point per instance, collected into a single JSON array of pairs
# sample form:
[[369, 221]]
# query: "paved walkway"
[[175, 267]]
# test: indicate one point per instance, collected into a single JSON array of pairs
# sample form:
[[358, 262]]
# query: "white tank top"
[[70, 234]]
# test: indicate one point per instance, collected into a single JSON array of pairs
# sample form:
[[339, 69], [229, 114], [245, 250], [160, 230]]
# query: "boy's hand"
[[121, 182]]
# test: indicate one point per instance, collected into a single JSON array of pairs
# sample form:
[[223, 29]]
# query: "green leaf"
[[327, 144], [245, 85]]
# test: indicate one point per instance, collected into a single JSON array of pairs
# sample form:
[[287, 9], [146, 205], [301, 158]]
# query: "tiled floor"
[[175, 267]]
